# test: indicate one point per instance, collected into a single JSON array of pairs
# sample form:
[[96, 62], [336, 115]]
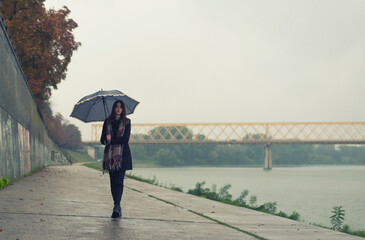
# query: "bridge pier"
[[268, 157], [91, 151]]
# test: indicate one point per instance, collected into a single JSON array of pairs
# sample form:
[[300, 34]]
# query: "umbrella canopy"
[[97, 106]]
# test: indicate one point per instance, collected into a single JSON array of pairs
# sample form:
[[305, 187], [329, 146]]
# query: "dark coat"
[[126, 155]]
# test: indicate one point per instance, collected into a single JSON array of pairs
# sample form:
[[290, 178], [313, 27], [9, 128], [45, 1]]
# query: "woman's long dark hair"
[[123, 116]]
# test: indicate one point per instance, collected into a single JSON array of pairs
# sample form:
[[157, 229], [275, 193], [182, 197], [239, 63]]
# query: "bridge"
[[244, 133]]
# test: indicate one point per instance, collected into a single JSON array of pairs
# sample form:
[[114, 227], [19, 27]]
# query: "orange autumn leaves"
[[61, 132], [44, 43], [43, 40]]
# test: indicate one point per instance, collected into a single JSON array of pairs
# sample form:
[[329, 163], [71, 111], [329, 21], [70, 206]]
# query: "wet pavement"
[[74, 202]]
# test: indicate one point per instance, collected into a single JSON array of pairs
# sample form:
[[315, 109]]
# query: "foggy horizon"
[[219, 61]]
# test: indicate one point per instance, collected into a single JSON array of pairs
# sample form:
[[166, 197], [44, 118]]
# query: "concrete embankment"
[[74, 202], [24, 141]]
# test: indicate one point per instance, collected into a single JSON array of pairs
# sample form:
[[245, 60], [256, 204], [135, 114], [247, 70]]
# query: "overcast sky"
[[220, 61]]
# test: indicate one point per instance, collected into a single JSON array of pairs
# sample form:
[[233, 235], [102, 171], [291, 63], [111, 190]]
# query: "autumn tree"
[[74, 137], [43, 40], [44, 43], [61, 132]]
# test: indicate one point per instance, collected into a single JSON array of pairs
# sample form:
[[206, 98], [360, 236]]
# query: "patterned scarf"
[[113, 153]]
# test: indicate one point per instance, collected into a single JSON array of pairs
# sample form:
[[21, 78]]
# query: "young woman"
[[117, 155]]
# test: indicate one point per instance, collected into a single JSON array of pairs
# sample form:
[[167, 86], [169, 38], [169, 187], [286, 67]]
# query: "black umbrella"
[[97, 106]]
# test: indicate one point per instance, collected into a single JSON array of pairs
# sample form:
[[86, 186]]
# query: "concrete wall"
[[24, 141]]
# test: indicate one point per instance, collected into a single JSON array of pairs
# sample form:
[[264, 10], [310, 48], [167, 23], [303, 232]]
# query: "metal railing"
[[244, 133]]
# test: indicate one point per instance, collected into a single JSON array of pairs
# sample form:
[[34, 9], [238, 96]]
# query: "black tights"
[[116, 185]]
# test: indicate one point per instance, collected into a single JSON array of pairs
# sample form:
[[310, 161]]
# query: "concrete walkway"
[[74, 202]]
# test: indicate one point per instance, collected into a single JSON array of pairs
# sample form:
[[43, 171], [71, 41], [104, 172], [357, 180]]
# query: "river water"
[[311, 191]]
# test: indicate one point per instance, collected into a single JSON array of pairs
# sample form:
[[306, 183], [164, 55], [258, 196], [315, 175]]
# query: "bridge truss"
[[244, 133]]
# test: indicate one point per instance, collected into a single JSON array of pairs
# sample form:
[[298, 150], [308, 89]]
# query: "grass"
[[94, 165], [78, 156], [139, 163], [17, 179], [33, 171], [349, 231], [97, 166], [357, 233]]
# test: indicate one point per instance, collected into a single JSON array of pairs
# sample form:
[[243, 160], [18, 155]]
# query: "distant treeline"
[[248, 155]]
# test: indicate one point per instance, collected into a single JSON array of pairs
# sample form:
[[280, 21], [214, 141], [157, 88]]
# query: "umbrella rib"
[[115, 99], [105, 104], [88, 113]]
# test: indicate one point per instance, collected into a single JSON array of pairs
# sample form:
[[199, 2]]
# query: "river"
[[311, 191]]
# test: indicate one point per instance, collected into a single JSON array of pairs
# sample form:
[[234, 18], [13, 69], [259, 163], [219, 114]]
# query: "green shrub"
[[173, 187], [253, 200], [345, 228], [358, 233], [282, 214], [241, 199], [337, 218], [212, 194], [6, 180], [153, 181], [199, 190], [224, 194], [295, 216], [269, 207]]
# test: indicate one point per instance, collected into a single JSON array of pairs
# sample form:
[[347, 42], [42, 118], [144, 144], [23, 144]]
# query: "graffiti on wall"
[[20, 152], [24, 149]]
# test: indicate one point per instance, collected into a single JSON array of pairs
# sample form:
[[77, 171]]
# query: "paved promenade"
[[74, 202]]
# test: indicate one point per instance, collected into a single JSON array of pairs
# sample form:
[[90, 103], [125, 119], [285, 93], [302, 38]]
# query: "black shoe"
[[120, 211], [117, 212], [115, 215]]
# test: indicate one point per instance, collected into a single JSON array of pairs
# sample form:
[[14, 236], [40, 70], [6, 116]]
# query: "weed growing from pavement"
[[5, 181]]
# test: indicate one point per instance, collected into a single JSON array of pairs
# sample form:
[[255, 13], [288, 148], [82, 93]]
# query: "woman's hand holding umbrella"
[[108, 138]]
